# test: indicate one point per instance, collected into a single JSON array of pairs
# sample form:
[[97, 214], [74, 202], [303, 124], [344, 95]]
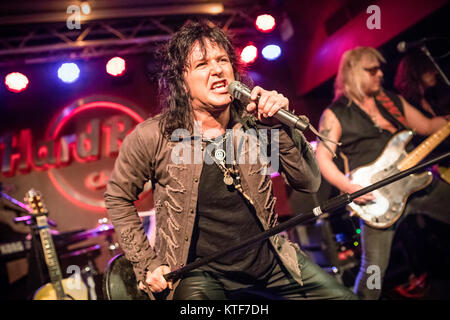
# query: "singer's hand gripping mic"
[[243, 93]]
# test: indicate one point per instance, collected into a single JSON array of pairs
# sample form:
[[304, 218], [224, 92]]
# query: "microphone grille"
[[233, 86], [239, 91]]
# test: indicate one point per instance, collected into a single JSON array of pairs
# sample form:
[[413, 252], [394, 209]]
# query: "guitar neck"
[[51, 257], [415, 156]]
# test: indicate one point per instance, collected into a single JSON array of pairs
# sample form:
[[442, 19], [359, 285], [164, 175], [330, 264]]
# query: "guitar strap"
[[385, 103], [390, 111]]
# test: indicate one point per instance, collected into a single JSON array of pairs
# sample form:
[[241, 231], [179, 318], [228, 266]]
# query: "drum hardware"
[[113, 246], [103, 229], [16, 249], [108, 230], [88, 273], [80, 251]]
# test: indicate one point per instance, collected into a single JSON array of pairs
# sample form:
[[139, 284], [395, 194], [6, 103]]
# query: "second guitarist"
[[364, 117]]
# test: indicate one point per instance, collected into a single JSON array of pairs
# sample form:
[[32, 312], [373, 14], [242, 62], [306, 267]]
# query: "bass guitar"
[[390, 201], [58, 288]]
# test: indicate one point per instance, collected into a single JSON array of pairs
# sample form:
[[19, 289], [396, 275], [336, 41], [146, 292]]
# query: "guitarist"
[[418, 81], [364, 117]]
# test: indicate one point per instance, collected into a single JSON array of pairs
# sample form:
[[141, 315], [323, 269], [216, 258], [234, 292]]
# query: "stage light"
[[16, 82], [116, 66], [265, 23], [271, 52], [68, 72], [249, 54], [85, 8], [216, 8]]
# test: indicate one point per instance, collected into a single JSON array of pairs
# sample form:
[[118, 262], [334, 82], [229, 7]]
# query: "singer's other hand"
[[155, 280], [364, 199], [267, 105]]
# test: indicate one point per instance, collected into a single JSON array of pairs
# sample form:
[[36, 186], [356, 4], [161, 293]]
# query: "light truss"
[[25, 41]]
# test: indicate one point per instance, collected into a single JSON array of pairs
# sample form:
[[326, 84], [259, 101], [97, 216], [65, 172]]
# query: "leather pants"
[[279, 285]]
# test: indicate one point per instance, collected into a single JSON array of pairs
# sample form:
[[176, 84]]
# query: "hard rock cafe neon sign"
[[66, 141]]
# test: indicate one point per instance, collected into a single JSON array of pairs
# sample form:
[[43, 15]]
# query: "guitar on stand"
[[58, 288]]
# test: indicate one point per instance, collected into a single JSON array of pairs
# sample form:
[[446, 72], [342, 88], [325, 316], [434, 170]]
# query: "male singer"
[[204, 207]]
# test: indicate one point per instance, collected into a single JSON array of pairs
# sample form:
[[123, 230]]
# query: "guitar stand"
[[329, 206]]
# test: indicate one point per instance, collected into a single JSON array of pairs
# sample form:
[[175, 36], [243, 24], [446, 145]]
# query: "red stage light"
[[16, 82], [249, 54], [116, 66], [265, 23]]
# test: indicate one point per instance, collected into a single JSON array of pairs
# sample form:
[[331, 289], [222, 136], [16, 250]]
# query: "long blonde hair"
[[350, 74]]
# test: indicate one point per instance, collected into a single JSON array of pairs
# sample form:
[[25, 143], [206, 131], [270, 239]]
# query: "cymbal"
[[68, 238], [80, 251], [104, 229], [18, 248]]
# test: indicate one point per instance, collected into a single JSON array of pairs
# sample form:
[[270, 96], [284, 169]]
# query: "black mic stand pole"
[[428, 54], [329, 206]]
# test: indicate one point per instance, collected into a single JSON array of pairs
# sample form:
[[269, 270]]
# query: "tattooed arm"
[[330, 127]]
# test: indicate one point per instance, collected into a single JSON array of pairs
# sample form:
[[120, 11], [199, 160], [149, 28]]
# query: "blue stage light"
[[271, 52], [68, 72]]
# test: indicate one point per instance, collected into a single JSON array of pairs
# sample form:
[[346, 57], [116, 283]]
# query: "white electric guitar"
[[390, 201]]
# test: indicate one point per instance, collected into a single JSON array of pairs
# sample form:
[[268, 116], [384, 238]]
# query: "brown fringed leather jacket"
[[146, 155]]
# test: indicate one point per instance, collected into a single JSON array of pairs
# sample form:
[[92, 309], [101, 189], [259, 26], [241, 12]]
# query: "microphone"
[[243, 93], [404, 46]]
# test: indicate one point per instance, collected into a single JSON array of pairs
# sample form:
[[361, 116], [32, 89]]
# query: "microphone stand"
[[330, 205], [428, 54]]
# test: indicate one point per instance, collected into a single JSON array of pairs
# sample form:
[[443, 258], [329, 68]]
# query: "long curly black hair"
[[174, 99], [408, 79]]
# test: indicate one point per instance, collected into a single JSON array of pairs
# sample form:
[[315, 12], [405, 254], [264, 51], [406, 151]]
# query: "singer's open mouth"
[[220, 86]]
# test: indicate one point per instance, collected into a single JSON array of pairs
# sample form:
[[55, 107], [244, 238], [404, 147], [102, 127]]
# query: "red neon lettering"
[[116, 129], [88, 142], [16, 153], [20, 152]]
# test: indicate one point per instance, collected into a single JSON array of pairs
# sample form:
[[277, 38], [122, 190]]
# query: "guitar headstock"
[[34, 200]]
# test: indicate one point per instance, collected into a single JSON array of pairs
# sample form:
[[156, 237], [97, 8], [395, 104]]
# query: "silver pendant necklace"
[[231, 175], [219, 152]]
